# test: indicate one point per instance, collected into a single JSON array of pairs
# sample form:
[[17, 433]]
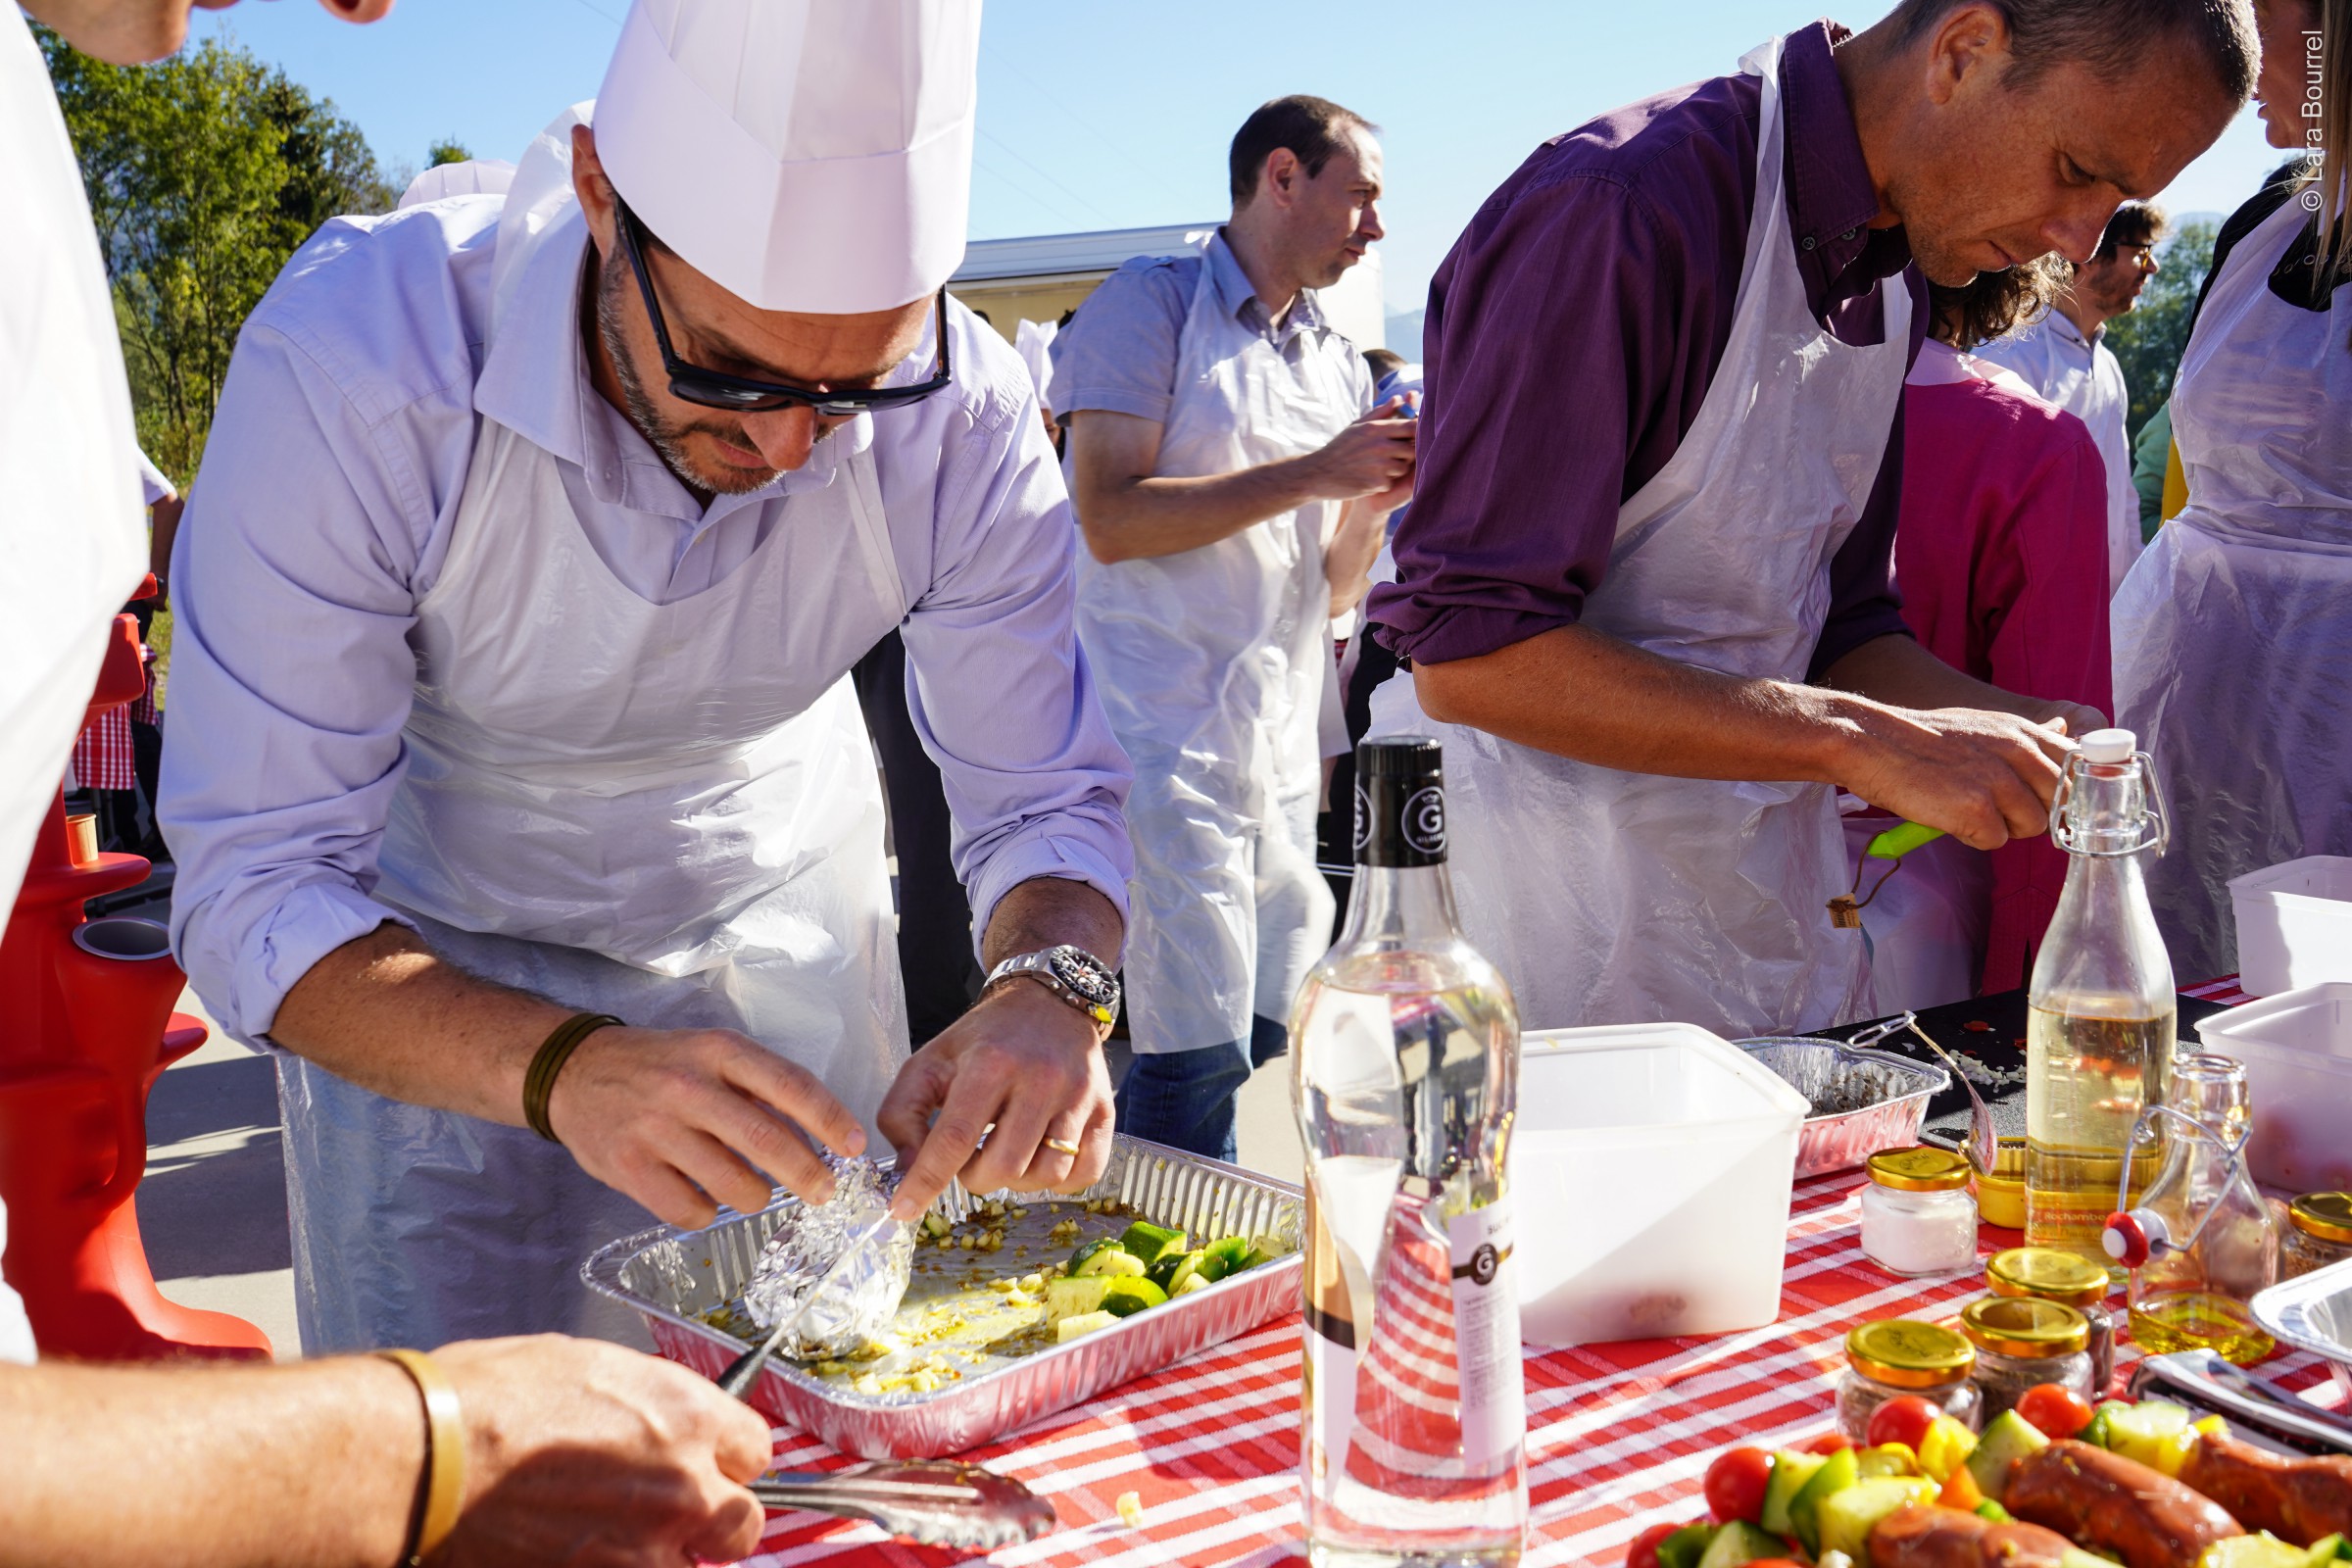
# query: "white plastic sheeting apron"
[[1215, 666], [2230, 632], [668, 812], [1607, 897]]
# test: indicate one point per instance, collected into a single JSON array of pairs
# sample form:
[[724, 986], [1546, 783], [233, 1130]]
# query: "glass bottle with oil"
[[2101, 1008], [2200, 1242]]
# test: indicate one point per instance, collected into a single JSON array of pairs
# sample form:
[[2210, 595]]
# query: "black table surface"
[[1992, 1030]]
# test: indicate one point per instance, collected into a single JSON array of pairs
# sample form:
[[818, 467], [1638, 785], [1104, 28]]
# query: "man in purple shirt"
[[1649, 554]]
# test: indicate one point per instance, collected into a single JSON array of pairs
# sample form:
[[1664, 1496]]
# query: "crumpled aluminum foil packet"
[[859, 1302]]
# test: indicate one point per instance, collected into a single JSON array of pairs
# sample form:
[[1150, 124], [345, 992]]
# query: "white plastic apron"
[[668, 812], [2231, 632], [1215, 664], [1607, 897]]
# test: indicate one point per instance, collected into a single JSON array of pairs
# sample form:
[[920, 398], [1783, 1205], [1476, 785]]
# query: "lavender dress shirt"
[[1571, 336]]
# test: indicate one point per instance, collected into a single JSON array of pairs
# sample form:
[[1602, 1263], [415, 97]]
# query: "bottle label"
[[1486, 1330], [1400, 820]]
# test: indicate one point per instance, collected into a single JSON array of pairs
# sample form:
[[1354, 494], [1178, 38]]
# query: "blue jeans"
[[1184, 1098]]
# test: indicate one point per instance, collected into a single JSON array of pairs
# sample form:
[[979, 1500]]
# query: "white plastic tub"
[[1650, 1168], [2298, 1047], [2294, 925]]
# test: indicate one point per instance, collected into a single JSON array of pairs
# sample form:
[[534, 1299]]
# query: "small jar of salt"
[[1918, 1217]]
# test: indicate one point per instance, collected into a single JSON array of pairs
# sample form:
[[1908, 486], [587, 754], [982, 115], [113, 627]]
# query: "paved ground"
[[212, 1207]]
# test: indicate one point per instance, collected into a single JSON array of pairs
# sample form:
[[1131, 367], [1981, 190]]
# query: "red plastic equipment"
[[86, 1027]]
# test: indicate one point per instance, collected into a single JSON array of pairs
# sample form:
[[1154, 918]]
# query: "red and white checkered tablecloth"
[[1618, 1435]]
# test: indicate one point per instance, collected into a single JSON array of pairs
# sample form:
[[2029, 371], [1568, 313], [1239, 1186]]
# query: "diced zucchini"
[[1738, 1542], [1074, 1298], [2099, 1433], [1790, 1470], [1173, 1270], [1070, 1328], [1228, 1251], [1194, 1282], [1838, 1472], [1946, 1447], [1127, 1297], [935, 1225], [1149, 1243], [1104, 1257], [1263, 1250], [2009, 1438], [1684, 1548], [1846, 1516], [1989, 1509], [2331, 1549], [1888, 1459], [2154, 1433]]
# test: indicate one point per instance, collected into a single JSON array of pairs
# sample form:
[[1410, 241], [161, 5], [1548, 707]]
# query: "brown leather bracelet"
[[441, 1487], [539, 1079]]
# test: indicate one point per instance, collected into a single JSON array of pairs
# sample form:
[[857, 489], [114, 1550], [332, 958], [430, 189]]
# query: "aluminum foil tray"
[[672, 1276], [1862, 1101], [2314, 1313]]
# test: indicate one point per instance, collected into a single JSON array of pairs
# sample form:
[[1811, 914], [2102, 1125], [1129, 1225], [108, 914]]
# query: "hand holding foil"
[[854, 1304]]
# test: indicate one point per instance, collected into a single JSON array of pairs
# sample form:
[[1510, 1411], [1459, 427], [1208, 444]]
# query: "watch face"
[[1083, 973]]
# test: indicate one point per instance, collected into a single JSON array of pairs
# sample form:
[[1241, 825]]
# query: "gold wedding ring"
[[1062, 1146]]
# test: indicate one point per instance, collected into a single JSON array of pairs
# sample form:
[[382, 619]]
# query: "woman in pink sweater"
[[2001, 559]]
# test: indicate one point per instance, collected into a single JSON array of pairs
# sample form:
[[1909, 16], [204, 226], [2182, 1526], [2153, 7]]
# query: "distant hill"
[[1404, 333]]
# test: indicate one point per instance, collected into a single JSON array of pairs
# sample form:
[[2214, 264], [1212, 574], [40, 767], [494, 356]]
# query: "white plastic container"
[[2294, 925], [2297, 1049], [1650, 1168]]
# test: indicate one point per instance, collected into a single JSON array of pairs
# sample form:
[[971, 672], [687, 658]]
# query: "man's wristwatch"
[[1073, 974]]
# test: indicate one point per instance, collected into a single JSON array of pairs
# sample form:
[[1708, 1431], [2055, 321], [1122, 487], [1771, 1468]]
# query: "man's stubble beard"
[[664, 436]]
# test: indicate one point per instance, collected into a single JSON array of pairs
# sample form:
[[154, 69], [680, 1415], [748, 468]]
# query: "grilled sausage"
[[2109, 1503], [1921, 1536], [2298, 1500]]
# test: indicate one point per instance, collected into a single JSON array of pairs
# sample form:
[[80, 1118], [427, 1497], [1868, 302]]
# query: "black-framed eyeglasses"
[[715, 389]]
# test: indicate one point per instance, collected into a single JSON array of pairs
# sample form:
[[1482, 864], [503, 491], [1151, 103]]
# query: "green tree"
[[446, 151], [2150, 340], [205, 171]]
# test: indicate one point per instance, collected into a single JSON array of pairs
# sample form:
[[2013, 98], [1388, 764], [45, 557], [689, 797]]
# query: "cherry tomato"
[[1826, 1442], [2054, 1410], [1735, 1484], [1904, 1420], [1644, 1553]]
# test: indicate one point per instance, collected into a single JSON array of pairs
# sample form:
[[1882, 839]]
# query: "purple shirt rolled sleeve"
[[1572, 334]]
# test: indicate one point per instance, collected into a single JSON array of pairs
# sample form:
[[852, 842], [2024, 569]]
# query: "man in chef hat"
[[520, 798]]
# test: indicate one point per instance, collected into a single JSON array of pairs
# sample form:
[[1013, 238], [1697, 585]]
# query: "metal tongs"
[[1983, 1140], [936, 1503]]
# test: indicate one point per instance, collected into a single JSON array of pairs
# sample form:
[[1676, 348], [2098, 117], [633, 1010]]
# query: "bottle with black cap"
[[1406, 1057]]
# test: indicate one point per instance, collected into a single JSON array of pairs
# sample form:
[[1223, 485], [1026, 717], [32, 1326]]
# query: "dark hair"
[[1310, 126], [2110, 38], [1384, 362], [1995, 304], [2135, 224]]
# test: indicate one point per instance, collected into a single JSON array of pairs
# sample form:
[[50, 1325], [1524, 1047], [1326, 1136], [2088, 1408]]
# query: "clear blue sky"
[[1111, 114]]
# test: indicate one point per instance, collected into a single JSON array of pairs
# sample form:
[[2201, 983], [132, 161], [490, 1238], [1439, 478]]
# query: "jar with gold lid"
[[2021, 1341], [2054, 1275], [2319, 1232], [1918, 1217], [1895, 1356]]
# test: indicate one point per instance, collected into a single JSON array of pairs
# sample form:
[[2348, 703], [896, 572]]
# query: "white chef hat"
[[472, 177], [804, 155]]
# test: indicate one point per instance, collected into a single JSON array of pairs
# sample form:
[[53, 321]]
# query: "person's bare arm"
[[1356, 544], [1982, 776], [567, 1443], [165, 528], [1127, 511], [676, 1119], [1023, 1059], [1898, 672]]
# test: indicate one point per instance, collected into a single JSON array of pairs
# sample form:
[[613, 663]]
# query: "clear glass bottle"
[[1895, 1356], [2319, 1232], [2077, 1282], [1405, 1079], [2200, 1241], [1918, 1218], [2101, 1010], [2023, 1340]]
